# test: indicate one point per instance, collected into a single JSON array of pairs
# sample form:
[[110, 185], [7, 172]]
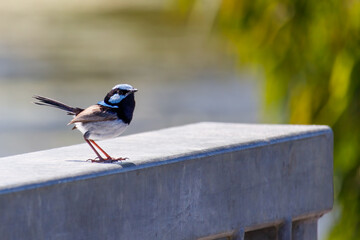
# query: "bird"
[[106, 119]]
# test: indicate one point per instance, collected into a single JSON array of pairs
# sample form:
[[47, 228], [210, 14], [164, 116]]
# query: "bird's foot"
[[107, 160], [119, 159]]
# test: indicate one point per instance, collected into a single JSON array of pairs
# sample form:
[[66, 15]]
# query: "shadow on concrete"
[[121, 163]]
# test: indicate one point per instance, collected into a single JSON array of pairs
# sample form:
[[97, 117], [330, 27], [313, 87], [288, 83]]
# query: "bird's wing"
[[94, 113]]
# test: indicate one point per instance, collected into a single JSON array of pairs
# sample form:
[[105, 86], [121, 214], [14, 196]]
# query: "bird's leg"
[[108, 157], [102, 150], [98, 155]]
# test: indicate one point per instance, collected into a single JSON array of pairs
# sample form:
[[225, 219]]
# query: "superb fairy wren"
[[107, 119]]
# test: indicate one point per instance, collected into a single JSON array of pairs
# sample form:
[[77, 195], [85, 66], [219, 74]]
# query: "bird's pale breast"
[[101, 130]]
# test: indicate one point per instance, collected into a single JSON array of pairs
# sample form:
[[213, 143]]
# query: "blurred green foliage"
[[309, 52]]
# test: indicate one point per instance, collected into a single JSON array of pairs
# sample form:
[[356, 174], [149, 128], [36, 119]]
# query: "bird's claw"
[[93, 160], [107, 160], [121, 159]]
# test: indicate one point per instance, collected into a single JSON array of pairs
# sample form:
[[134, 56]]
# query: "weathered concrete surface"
[[306, 229], [179, 183]]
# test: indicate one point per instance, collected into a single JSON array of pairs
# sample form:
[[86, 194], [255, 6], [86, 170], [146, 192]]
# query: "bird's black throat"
[[126, 108]]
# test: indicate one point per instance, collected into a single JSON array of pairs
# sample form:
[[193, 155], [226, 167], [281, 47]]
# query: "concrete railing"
[[199, 181]]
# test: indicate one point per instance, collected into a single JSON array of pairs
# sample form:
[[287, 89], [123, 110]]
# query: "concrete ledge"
[[195, 181]]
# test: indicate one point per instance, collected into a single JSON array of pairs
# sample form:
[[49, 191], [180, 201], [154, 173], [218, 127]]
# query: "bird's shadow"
[[122, 164]]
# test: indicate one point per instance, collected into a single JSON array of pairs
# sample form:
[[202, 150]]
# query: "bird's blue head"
[[117, 94]]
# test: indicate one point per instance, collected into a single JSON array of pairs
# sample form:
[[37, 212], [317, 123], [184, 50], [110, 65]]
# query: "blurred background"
[[265, 61]]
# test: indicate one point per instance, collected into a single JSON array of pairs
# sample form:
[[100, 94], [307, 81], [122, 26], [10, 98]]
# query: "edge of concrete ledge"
[[312, 131]]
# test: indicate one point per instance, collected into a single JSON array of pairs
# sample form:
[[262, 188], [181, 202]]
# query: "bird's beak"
[[131, 91]]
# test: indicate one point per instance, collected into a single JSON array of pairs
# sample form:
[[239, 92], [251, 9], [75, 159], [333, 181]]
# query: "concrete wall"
[[199, 181]]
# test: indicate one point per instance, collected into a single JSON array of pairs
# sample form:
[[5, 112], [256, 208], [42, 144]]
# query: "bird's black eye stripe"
[[121, 92]]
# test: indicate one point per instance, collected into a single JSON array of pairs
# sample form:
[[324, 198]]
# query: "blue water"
[[183, 75]]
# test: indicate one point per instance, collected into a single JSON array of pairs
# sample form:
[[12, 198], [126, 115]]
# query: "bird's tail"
[[52, 103]]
